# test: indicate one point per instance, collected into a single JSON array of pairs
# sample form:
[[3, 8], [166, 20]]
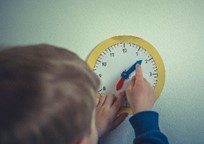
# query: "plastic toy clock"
[[114, 61]]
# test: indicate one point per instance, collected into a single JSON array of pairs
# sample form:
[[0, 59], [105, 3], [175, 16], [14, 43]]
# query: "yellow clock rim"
[[96, 52]]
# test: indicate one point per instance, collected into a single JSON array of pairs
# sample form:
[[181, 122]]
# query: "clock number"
[[104, 63], [146, 61], [100, 75], [111, 54], [124, 50], [104, 88]]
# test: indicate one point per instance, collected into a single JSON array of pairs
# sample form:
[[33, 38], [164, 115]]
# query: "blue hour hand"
[[126, 74]]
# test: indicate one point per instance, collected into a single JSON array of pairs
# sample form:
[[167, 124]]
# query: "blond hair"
[[46, 95]]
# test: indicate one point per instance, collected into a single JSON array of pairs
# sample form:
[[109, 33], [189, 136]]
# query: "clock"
[[114, 60]]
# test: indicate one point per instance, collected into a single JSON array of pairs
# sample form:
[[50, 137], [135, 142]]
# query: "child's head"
[[47, 96]]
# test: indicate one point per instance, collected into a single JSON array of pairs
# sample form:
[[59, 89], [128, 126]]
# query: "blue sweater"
[[146, 127]]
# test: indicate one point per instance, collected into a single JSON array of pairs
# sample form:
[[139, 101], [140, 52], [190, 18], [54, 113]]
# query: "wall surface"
[[174, 27]]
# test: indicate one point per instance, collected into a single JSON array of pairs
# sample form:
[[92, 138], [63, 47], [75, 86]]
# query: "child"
[[47, 96]]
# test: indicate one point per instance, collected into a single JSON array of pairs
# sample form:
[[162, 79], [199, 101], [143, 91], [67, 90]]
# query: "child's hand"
[[106, 113], [140, 93]]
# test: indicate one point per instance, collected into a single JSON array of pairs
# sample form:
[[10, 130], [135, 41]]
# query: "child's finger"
[[119, 99], [119, 120], [133, 80], [131, 83], [138, 72], [97, 101], [109, 100], [101, 101]]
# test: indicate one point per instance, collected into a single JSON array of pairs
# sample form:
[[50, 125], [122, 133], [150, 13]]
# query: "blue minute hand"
[[127, 73]]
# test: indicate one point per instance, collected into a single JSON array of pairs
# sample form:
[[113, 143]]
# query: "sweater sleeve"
[[146, 127]]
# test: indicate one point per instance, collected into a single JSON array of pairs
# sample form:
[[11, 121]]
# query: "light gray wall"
[[174, 27]]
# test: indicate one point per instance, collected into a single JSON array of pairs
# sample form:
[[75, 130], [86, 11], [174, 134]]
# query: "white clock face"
[[118, 58]]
